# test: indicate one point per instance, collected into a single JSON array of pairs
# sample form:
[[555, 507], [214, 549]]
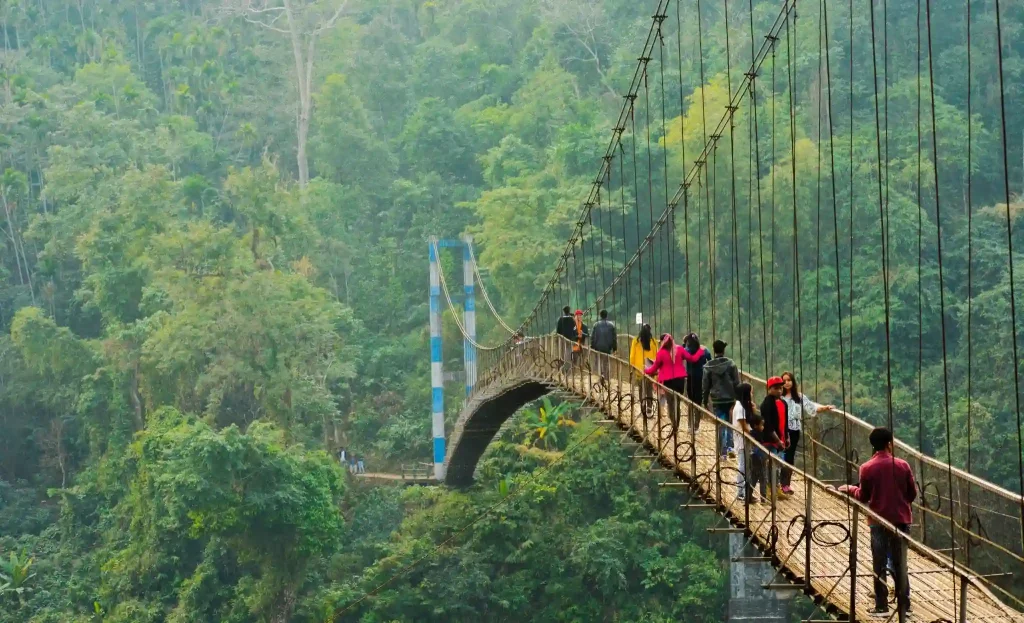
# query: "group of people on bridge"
[[713, 380]]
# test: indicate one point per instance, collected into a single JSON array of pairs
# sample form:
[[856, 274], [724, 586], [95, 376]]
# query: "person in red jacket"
[[776, 431], [670, 364], [887, 486]]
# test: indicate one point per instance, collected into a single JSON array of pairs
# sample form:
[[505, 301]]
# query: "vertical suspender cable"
[[920, 281], [881, 224], [682, 146], [847, 459], [731, 111], [670, 246], [942, 288], [970, 277], [1009, 259]]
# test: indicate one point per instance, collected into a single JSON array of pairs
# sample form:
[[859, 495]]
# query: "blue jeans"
[[722, 412]]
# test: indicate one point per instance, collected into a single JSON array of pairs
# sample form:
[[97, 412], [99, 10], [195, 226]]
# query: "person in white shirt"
[[797, 407], [743, 412]]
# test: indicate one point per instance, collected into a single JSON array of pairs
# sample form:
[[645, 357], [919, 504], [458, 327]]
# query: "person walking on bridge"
[[566, 328], [887, 486], [695, 374], [604, 339], [580, 335], [721, 378], [642, 353], [670, 365]]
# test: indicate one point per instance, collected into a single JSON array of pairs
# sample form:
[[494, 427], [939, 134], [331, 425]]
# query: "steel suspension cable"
[[850, 311], [970, 273], [942, 288], [835, 225], [735, 303], [882, 207], [682, 146], [771, 364], [670, 246], [756, 174], [636, 208], [483, 291], [920, 279], [1009, 261], [653, 260]]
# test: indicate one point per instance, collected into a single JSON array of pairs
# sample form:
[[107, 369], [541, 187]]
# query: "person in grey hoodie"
[[721, 378]]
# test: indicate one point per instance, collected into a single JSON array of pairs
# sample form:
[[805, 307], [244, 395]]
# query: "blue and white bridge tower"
[[437, 376]]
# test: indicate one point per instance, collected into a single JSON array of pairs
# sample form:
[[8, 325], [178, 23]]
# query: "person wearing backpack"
[[604, 340]]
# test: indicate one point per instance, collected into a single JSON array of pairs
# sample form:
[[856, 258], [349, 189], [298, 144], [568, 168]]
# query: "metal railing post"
[[809, 532], [854, 533]]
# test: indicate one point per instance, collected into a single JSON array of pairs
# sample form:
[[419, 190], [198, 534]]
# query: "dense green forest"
[[213, 273]]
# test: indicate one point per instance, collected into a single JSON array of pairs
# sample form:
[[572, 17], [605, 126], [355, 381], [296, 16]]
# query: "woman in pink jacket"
[[670, 365]]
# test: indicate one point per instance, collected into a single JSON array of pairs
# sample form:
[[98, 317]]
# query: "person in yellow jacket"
[[644, 350], [642, 353]]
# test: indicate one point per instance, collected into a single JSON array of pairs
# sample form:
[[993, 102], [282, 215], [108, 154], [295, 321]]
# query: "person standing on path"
[[743, 414], [798, 406], [360, 466], [695, 375], [721, 378], [887, 486], [604, 339], [776, 431]]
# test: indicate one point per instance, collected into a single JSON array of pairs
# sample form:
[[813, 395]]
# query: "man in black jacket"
[[721, 378], [604, 340], [566, 328]]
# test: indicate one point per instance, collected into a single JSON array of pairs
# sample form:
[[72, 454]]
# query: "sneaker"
[[882, 614], [787, 490], [783, 495]]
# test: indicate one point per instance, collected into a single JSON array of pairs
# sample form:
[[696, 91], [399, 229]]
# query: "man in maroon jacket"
[[887, 487]]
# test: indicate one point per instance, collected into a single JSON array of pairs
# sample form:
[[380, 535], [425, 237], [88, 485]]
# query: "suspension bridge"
[[729, 178]]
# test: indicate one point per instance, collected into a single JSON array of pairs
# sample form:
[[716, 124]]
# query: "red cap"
[[579, 312], [775, 380]]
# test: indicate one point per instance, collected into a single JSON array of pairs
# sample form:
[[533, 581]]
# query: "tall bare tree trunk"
[[303, 76]]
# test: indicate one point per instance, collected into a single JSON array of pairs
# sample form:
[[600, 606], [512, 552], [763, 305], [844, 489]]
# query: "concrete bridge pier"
[[748, 601]]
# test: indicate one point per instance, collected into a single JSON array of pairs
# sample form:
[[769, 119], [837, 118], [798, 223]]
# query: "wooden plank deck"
[[936, 591]]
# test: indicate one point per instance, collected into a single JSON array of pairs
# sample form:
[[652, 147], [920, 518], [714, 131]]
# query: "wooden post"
[[854, 533], [718, 462]]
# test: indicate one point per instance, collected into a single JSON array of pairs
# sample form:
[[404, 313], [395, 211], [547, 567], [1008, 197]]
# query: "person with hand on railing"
[[670, 365], [776, 432], [887, 486], [797, 405], [721, 378]]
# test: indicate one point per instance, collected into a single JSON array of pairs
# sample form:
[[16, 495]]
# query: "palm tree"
[[14, 576], [547, 424]]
